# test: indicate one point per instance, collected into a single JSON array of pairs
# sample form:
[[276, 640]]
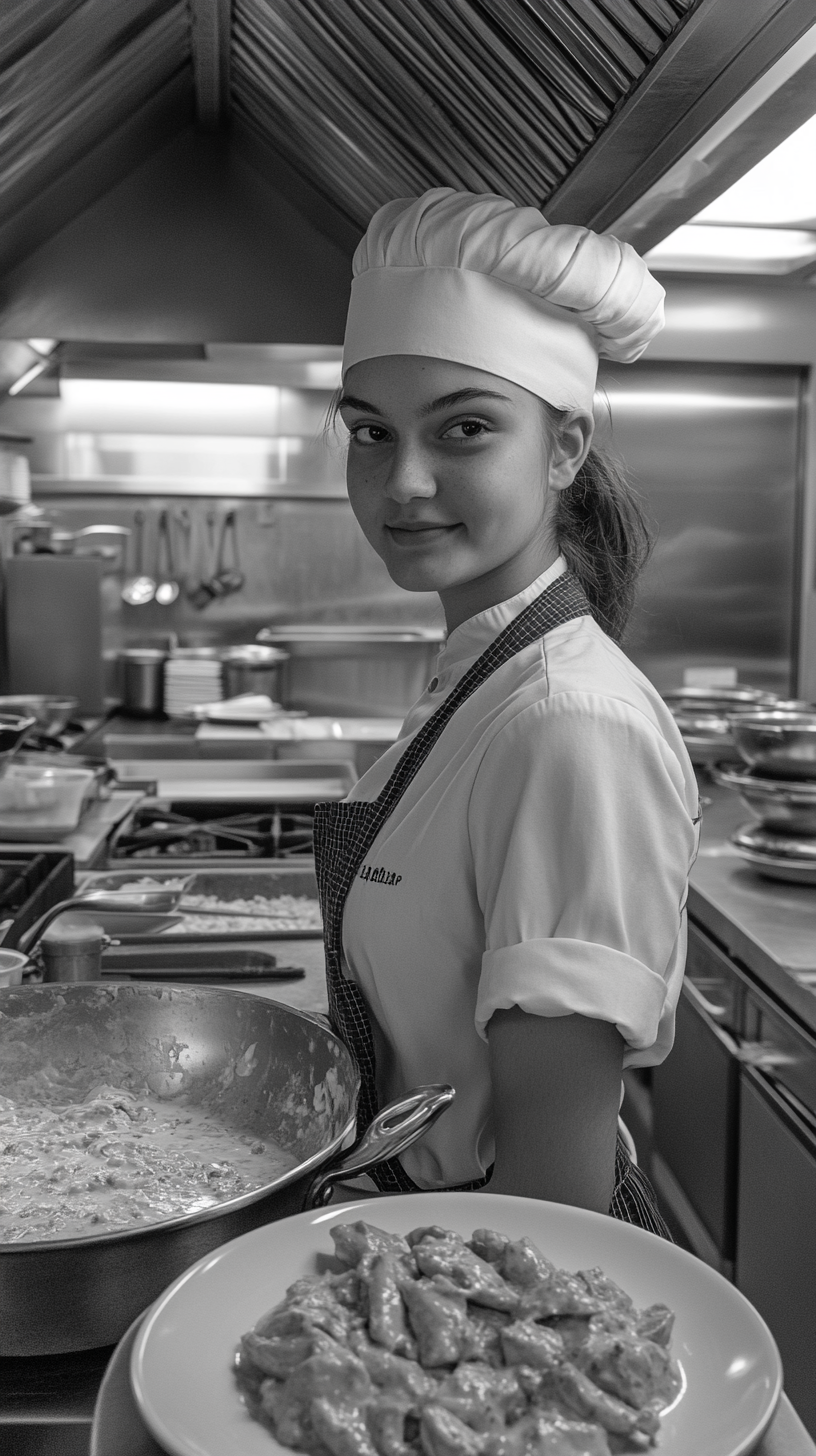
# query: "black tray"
[[206, 963]]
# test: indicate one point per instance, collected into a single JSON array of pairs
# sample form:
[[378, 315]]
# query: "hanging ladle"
[[140, 588], [227, 579], [168, 588]]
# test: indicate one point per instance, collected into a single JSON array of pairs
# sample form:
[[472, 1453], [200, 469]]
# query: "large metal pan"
[[298, 1085]]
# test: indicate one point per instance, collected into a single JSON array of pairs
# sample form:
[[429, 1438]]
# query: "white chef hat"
[[473, 278]]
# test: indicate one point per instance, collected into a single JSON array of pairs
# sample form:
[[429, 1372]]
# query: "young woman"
[[504, 890]]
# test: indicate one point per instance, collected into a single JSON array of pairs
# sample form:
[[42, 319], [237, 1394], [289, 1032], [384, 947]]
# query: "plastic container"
[[42, 803], [12, 963]]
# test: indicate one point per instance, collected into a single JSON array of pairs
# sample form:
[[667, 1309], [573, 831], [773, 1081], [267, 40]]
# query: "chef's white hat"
[[475, 279]]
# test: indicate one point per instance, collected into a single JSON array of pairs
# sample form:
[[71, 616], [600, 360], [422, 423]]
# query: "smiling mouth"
[[419, 529]]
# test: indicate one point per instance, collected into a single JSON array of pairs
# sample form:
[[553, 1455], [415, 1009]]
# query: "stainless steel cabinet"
[[776, 1247], [695, 1105]]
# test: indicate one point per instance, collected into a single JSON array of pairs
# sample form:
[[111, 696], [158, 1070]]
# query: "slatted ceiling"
[[367, 99], [23, 24], [92, 66], [372, 99]]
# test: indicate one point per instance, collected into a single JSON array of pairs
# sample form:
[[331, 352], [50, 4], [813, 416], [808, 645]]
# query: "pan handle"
[[392, 1131]]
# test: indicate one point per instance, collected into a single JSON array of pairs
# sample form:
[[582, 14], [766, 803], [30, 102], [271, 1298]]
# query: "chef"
[[504, 891]]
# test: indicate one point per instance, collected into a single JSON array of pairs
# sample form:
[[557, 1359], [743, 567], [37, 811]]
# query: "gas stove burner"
[[201, 832]]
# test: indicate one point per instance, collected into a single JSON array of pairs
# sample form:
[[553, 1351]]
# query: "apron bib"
[[343, 835]]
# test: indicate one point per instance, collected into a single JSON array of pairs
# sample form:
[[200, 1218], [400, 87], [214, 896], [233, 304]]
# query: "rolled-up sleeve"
[[582, 838]]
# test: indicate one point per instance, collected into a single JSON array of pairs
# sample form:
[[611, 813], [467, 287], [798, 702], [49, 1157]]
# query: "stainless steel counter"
[[767, 926]]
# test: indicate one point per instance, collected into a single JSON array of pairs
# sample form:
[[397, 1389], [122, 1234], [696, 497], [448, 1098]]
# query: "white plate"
[[182, 1361]]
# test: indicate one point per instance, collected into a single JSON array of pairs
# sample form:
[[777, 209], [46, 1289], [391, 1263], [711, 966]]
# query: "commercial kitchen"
[[199, 645]]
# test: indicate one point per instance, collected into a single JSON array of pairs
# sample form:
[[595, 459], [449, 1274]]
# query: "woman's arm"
[[556, 1091]]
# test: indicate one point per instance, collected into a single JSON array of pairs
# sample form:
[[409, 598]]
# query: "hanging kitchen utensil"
[[168, 588], [228, 579], [202, 594], [140, 588], [184, 524]]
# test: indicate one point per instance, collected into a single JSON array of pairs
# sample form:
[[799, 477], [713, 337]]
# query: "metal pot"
[[299, 1086], [253, 669], [142, 680], [355, 670]]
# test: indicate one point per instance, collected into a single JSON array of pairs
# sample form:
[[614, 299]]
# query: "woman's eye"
[[466, 430], [368, 434]]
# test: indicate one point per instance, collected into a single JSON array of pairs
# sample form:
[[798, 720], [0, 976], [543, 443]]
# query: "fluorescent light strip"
[[33, 373], [701, 247]]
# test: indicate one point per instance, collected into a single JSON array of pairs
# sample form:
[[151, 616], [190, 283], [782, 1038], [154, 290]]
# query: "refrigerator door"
[[715, 452]]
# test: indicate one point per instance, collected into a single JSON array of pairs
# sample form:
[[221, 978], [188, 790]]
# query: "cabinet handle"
[[763, 1054], [705, 1005]]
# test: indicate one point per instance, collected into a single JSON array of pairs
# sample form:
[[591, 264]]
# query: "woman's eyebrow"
[[445, 401], [350, 401], [459, 396]]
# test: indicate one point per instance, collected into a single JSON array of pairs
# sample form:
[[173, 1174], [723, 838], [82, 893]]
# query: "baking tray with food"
[[226, 905]]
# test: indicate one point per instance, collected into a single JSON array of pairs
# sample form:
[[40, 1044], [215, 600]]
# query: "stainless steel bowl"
[[759, 840], [781, 807], [50, 713], [778, 743], [717, 700]]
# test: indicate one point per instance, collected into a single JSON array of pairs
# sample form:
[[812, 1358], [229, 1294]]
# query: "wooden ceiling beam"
[[712, 60]]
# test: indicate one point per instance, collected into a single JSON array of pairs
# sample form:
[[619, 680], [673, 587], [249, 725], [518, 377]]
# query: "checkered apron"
[[344, 833]]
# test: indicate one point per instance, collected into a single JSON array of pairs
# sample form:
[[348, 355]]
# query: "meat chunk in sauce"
[[432, 1345]]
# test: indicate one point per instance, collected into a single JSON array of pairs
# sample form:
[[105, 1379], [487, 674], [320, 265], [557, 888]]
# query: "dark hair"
[[603, 534]]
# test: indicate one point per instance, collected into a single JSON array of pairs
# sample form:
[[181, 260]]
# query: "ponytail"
[[604, 536]]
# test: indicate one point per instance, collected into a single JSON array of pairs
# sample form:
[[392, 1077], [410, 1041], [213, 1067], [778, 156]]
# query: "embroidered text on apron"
[[344, 833]]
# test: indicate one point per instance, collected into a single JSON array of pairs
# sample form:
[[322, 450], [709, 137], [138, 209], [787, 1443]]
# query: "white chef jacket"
[[539, 859]]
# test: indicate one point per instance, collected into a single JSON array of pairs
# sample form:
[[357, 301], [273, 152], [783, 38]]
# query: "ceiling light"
[[254, 407], [42, 346], [33, 373], [779, 189], [707, 249]]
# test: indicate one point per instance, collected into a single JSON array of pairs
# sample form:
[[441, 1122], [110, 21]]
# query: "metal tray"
[[227, 884], [289, 781]]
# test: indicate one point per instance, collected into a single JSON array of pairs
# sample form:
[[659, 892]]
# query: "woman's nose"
[[410, 476]]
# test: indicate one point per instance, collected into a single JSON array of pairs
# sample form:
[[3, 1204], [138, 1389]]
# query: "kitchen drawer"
[[776, 1232], [782, 1050], [695, 1112], [720, 985]]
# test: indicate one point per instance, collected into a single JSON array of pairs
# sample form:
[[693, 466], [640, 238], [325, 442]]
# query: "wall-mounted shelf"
[[223, 488]]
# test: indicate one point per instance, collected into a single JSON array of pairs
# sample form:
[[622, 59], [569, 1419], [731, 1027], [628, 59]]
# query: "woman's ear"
[[570, 442]]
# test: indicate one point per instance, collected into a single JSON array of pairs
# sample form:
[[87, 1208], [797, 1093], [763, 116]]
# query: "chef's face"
[[453, 474]]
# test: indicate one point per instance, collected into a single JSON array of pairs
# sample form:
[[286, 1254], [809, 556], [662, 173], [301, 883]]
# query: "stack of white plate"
[[189, 681]]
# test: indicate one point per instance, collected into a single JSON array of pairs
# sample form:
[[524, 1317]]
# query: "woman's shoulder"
[[586, 689], [579, 658]]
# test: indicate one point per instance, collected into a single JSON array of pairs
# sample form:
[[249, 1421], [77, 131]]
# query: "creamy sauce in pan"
[[118, 1159]]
